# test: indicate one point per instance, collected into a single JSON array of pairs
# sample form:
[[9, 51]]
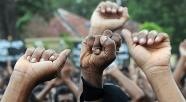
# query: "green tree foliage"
[[151, 26], [169, 14], [27, 8], [81, 7]]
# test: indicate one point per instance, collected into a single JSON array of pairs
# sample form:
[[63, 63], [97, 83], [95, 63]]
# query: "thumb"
[[108, 45], [126, 34], [60, 61]]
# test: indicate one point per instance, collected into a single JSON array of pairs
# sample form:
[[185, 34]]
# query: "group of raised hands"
[[150, 50]]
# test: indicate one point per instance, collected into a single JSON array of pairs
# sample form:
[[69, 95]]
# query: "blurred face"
[[65, 97]]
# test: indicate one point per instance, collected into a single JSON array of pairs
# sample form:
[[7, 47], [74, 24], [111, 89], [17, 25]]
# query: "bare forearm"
[[44, 92], [164, 85], [93, 78], [72, 87], [131, 88], [18, 89], [179, 71]]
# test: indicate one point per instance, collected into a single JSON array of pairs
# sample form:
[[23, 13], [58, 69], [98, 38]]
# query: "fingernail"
[[33, 60], [28, 58], [114, 10], [142, 41], [103, 38], [150, 41], [96, 51], [157, 39], [120, 9], [103, 10], [108, 9], [135, 39], [52, 58]]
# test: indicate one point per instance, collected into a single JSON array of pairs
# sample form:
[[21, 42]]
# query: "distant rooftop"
[[67, 22]]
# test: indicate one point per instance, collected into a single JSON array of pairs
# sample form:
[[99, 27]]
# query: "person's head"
[[63, 94]]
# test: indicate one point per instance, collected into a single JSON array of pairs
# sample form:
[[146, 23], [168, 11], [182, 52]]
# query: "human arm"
[[72, 86], [96, 54], [129, 86], [180, 68], [66, 78], [151, 52], [47, 89], [34, 67]]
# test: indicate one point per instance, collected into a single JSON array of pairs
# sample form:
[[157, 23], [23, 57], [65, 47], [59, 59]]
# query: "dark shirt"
[[109, 93]]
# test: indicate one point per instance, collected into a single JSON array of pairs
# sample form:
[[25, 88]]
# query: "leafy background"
[[162, 15]]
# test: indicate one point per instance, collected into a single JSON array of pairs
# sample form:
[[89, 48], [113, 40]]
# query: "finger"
[[102, 7], [87, 44], [29, 53], [120, 10], [114, 8], [135, 37], [54, 57], [108, 33], [142, 36], [124, 13], [96, 46], [60, 61], [37, 55], [161, 37], [47, 54], [126, 34], [108, 7], [151, 37], [117, 39], [108, 45]]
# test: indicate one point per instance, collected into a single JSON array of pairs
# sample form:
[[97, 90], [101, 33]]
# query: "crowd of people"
[[42, 75]]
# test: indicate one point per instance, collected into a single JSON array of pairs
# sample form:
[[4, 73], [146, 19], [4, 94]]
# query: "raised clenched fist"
[[108, 15], [40, 64], [183, 48], [99, 51], [149, 49]]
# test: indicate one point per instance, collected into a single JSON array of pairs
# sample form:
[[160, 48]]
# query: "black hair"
[[62, 90]]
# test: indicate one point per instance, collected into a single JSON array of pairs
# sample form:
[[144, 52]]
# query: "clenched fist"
[[97, 53], [149, 49], [108, 15]]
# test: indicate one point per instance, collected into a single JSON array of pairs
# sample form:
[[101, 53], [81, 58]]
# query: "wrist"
[[19, 85], [155, 70], [22, 79], [164, 84], [95, 79]]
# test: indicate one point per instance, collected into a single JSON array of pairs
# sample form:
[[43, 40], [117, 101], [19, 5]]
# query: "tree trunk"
[[7, 19]]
